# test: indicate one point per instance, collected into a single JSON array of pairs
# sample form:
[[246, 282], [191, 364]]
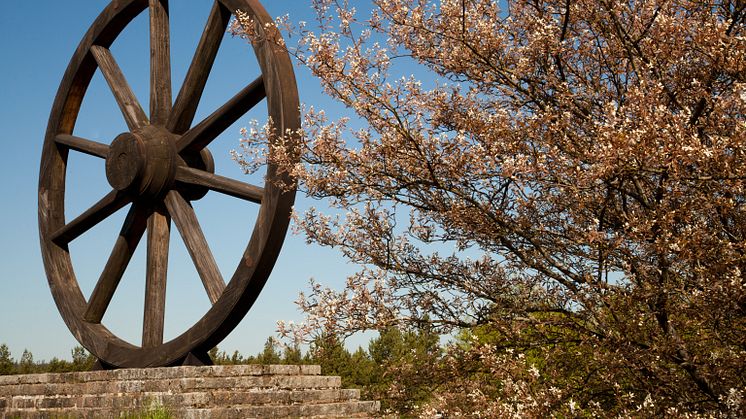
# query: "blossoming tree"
[[566, 177]]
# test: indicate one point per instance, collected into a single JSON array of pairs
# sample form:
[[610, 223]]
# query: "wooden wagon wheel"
[[157, 168]]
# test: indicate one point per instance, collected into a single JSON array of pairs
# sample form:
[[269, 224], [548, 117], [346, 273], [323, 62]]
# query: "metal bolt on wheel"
[[158, 168]]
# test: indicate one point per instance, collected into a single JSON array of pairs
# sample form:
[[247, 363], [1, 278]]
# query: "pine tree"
[[270, 355], [292, 355], [361, 369], [54, 365], [6, 361], [82, 360], [329, 352], [26, 364], [404, 365]]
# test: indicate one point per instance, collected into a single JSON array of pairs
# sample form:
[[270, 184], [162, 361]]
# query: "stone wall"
[[235, 391]]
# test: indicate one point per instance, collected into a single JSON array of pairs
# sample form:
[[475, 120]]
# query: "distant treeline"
[[81, 361]]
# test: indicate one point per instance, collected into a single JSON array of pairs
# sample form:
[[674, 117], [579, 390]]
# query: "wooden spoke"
[[108, 205], [188, 226], [160, 63], [220, 184], [128, 104], [124, 248], [93, 148], [159, 231], [200, 136], [196, 78]]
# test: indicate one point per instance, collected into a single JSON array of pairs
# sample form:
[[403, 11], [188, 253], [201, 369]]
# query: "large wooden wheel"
[[157, 168]]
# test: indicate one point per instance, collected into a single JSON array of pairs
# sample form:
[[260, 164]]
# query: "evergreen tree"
[[404, 368], [237, 358], [362, 369], [292, 355], [270, 355], [6, 361], [26, 364], [219, 357], [329, 352], [55, 365], [82, 360]]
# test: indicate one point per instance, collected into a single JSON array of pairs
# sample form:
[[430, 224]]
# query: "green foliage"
[[26, 364], [397, 368], [270, 355], [292, 355], [223, 358], [363, 373], [81, 361], [329, 352], [154, 411], [403, 368], [6, 361]]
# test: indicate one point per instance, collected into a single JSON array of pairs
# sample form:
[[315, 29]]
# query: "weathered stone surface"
[[326, 410], [175, 384], [161, 373], [191, 392]]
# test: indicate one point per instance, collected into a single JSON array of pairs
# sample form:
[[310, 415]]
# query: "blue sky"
[[37, 43]]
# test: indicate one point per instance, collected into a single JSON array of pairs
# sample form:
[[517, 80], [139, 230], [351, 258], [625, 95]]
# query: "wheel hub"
[[142, 163]]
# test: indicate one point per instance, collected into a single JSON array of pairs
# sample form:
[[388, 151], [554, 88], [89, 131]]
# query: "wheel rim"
[[151, 168]]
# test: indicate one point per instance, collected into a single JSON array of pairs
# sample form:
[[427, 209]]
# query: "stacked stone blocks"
[[236, 391]]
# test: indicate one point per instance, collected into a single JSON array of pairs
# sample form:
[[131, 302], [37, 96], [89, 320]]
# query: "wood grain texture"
[[124, 248], [159, 231], [160, 63], [128, 104], [83, 145], [220, 184], [201, 135], [199, 70], [108, 205], [196, 244], [125, 162], [277, 83]]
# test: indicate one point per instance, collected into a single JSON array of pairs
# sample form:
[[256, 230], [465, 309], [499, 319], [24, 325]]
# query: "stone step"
[[175, 385], [191, 392], [360, 409], [326, 410], [161, 373], [196, 400]]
